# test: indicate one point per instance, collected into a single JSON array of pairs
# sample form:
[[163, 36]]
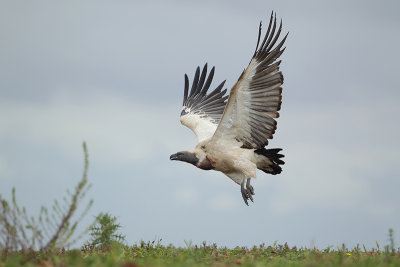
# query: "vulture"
[[232, 131]]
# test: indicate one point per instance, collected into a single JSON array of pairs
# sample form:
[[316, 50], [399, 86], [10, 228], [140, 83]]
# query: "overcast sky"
[[111, 73]]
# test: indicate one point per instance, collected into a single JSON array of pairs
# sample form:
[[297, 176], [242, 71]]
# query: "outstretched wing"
[[256, 98], [201, 112]]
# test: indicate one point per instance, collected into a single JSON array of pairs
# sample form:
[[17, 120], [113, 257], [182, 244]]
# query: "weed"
[[104, 232], [51, 230]]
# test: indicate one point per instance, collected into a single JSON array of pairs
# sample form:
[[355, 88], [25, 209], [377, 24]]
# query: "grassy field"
[[152, 254]]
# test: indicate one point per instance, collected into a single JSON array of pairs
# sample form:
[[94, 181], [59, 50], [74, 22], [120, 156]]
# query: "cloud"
[[118, 131]]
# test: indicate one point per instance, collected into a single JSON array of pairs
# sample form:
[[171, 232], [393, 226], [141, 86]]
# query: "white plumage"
[[232, 135]]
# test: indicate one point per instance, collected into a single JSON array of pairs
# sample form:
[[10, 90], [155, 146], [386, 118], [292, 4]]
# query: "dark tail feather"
[[274, 157]]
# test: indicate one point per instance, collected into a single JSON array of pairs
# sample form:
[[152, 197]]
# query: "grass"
[[155, 254]]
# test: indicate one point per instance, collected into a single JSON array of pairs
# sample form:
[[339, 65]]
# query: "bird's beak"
[[173, 157]]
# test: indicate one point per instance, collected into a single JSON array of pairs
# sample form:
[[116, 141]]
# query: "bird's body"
[[232, 135], [235, 162]]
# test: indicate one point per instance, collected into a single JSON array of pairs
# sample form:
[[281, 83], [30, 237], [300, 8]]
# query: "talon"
[[251, 189], [246, 193], [249, 186], [245, 200]]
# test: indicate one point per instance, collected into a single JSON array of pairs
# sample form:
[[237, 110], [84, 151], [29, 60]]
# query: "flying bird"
[[233, 131]]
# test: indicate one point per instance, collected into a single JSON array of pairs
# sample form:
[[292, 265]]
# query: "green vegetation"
[[104, 233], [155, 254], [25, 241]]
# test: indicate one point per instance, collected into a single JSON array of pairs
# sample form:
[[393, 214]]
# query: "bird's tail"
[[268, 160]]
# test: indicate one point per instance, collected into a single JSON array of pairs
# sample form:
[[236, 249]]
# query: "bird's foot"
[[246, 193], [249, 186]]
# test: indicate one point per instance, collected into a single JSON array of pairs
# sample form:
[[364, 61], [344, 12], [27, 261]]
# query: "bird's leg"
[[249, 187], [246, 194]]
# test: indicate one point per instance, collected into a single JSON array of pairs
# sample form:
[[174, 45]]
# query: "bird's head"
[[185, 156]]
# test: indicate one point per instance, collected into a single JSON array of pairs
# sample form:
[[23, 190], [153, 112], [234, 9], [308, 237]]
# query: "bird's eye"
[[203, 147]]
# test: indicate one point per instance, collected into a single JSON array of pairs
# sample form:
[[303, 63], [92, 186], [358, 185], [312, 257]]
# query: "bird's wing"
[[201, 112], [256, 98]]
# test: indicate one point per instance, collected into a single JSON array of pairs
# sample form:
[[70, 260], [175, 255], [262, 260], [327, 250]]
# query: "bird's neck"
[[190, 157], [205, 164]]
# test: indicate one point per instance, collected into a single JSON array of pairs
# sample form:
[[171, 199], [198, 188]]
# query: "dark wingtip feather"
[[258, 39], [186, 90], [197, 100], [202, 79], [208, 82], [195, 81]]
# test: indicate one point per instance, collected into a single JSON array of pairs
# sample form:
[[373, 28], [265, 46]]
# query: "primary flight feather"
[[232, 134]]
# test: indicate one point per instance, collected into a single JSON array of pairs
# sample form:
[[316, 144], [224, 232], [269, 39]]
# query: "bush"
[[104, 232]]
